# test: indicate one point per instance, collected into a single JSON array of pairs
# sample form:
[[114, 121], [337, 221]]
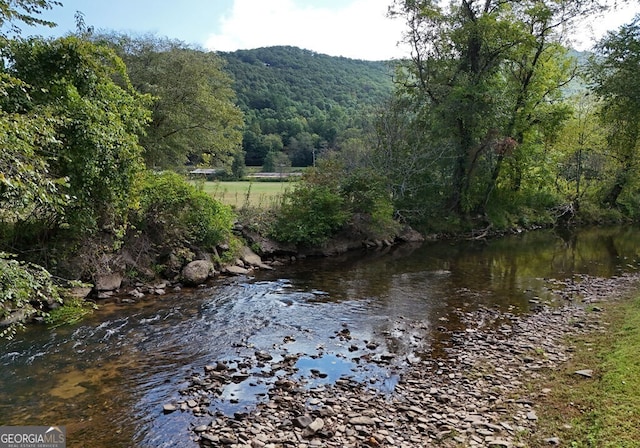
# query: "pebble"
[[471, 395]]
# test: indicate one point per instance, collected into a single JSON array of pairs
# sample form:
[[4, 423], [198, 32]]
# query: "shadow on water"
[[107, 378]]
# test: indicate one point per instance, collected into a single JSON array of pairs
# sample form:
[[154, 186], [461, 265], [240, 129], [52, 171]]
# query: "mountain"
[[300, 102]]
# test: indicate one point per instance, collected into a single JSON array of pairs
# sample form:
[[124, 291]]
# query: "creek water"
[[107, 378]]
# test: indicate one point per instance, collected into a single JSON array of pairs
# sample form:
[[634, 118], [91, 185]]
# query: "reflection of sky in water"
[[327, 369]]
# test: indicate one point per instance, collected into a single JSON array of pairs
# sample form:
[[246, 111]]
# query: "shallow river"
[[107, 378]]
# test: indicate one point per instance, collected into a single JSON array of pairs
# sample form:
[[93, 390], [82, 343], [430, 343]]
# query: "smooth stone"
[[303, 421], [586, 373], [362, 420], [169, 408]]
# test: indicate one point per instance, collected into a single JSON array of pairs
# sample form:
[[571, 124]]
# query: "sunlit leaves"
[[194, 114], [98, 117], [483, 72], [614, 74]]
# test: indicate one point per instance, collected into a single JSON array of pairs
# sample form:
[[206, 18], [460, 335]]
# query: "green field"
[[246, 193]]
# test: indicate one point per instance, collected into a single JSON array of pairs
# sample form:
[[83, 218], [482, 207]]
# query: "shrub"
[[25, 288], [309, 215], [366, 194], [174, 213]]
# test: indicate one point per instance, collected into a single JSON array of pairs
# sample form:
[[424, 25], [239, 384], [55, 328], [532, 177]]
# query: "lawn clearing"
[[246, 193], [603, 411]]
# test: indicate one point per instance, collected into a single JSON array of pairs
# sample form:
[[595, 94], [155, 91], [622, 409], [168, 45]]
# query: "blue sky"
[[351, 28]]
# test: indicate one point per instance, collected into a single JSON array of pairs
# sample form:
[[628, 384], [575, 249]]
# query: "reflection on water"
[[107, 378]]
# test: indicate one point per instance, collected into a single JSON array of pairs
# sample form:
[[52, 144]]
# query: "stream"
[[106, 379]]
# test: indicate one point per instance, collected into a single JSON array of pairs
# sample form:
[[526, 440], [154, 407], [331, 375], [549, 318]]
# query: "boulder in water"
[[197, 272]]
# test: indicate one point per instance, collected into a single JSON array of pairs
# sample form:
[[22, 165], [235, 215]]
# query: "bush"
[[366, 194], [309, 215], [174, 213], [25, 288]]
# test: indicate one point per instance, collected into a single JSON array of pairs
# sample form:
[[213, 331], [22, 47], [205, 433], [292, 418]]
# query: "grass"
[[245, 193], [603, 411]]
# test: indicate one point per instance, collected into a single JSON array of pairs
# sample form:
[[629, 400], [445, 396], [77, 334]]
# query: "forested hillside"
[[300, 102]]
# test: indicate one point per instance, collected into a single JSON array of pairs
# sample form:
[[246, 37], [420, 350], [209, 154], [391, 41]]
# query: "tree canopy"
[[485, 85], [94, 122], [614, 77], [194, 117]]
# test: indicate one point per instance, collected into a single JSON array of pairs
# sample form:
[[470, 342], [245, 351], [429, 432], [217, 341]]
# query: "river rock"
[[79, 292], [197, 272], [252, 259], [316, 425], [362, 421], [586, 373], [474, 396], [168, 408], [409, 235], [236, 270], [303, 421], [108, 282]]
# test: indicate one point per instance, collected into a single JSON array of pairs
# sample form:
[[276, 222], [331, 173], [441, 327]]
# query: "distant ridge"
[[298, 94]]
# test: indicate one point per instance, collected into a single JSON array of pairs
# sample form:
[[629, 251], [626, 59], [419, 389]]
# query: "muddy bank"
[[473, 394]]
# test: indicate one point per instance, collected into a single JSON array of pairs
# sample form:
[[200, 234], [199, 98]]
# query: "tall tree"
[[27, 187], [485, 76], [95, 123], [195, 119], [614, 73]]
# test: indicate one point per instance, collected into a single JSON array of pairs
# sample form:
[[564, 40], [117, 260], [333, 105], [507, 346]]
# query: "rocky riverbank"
[[474, 394]]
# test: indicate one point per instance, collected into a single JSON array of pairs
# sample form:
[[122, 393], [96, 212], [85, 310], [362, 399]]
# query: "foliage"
[[173, 213], [25, 288], [25, 11], [71, 312], [276, 162], [28, 189], [309, 215], [332, 196], [308, 100], [482, 97], [366, 195], [94, 140], [194, 118], [613, 73]]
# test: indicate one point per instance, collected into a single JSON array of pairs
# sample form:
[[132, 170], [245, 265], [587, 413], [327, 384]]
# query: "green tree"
[[195, 119], [580, 153], [174, 214], [307, 99], [614, 75], [27, 187], [483, 82], [96, 126], [276, 162]]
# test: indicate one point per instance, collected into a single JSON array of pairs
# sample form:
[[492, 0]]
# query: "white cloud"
[[359, 29], [595, 28]]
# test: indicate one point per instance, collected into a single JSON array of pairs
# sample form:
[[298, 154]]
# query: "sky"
[[357, 29]]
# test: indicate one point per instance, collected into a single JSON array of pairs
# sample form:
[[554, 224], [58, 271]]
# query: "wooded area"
[[492, 124]]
